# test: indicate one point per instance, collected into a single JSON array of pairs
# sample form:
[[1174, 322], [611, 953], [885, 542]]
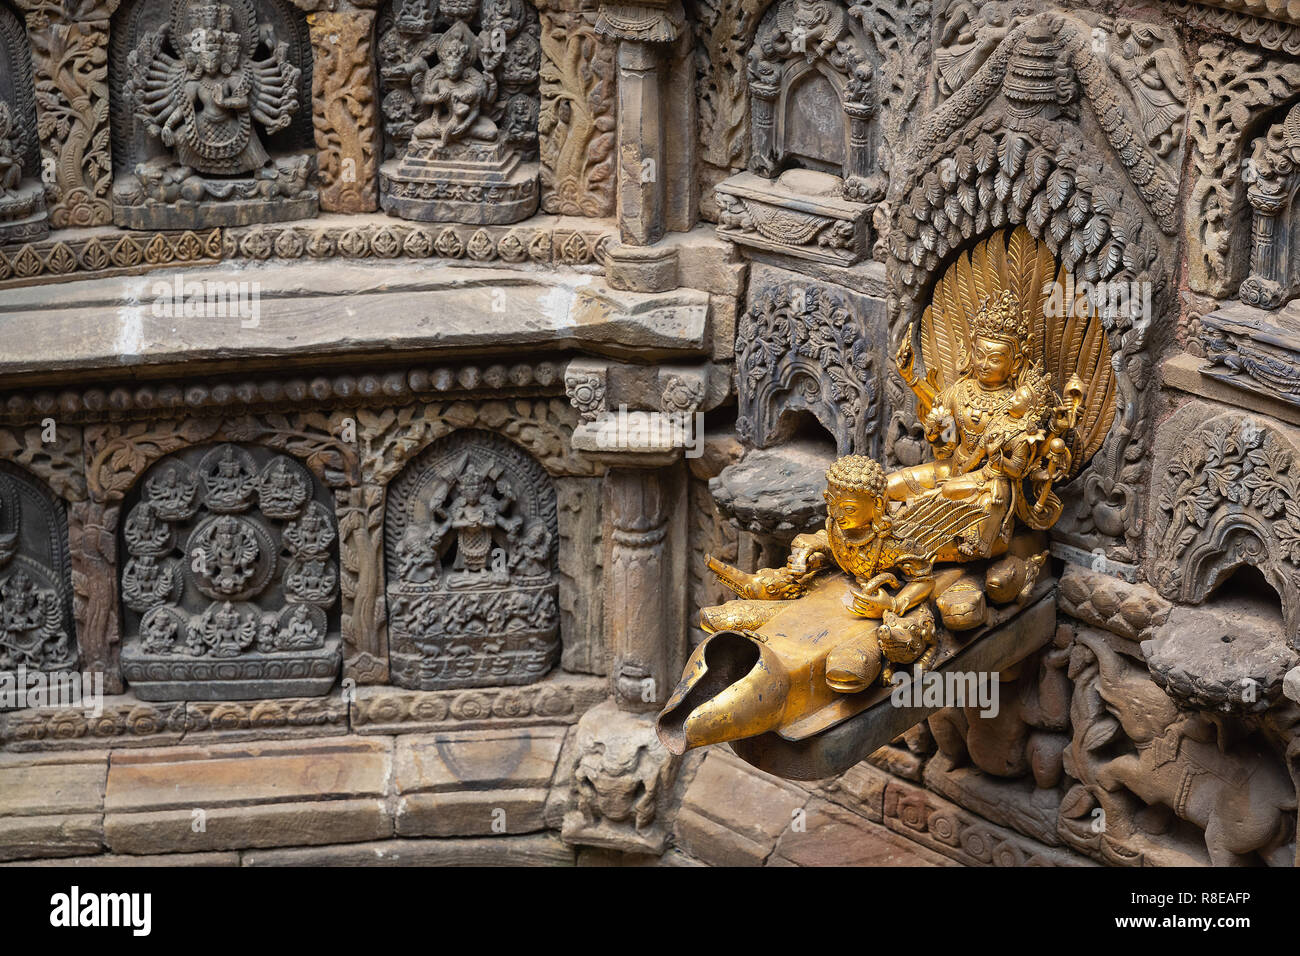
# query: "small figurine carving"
[[23, 216]]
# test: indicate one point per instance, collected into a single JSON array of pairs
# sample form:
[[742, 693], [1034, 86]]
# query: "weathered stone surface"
[[246, 774], [776, 491], [477, 760], [51, 836], [198, 828], [732, 815], [41, 786], [832, 836], [559, 699], [532, 850], [114, 860]]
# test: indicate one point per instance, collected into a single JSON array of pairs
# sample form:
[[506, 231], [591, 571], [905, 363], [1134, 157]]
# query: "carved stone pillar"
[[345, 107], [1268, 282], [645, 593], [92, 549], [70, 67], [643, 32]]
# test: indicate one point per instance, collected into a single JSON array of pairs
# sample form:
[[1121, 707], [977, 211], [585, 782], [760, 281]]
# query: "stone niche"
[[22, 197], [1273, 175], [36, 630], [460, 103], [470, 541], [211, 114], [813, 182], [230, 583]]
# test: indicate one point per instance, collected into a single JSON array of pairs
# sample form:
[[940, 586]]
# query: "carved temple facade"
[[377, 375]]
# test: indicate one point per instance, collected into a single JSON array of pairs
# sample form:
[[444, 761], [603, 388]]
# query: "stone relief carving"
[[36, 629], [1228, 498], [1172, 787], [345, 109], [576, 127], [1251, 350], [202, 89], [1232, 86], [1272, 174], [22, 197], [231, 579], [805, 347], [813, 137], [70, 64], [469, 542], [460, 104]]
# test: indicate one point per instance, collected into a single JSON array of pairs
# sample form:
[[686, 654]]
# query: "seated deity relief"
[[23, 217], [460, 106], [207, 91], [912, 563]]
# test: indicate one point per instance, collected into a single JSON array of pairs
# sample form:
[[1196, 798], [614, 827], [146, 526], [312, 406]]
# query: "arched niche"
[[229, 578], [470, 541], [36, 622], [22, 197]]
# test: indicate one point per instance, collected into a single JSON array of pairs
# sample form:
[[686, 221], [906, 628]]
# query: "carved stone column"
[[70, 67], [643, 33], [345, 107], [1268, 282]]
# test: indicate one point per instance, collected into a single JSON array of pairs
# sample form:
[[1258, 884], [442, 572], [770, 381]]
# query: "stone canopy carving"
[[23, 216], [460, 88], [206, 91], [813, 179], [231, 579], [36, 629], [470, 542]]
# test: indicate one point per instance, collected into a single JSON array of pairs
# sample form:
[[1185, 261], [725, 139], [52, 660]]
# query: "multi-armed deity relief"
[[22, 197], [460, 106], [470, 542], [1014, 395], [210, 102], [35, 596], [231, 580]]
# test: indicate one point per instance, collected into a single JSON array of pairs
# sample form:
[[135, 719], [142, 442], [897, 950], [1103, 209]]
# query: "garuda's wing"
[[273, 98], [155, 85], [924, 528]]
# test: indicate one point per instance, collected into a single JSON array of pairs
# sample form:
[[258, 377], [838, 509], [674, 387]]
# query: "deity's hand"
[[871, 599], [167, 135], [941, 427], [808, 554], [904, 358]]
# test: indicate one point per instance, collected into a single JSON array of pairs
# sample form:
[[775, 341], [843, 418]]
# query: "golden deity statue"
[[1016, 396]]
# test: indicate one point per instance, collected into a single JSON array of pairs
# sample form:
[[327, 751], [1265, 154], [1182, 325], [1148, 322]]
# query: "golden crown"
[[857, 473], [1000, 317]]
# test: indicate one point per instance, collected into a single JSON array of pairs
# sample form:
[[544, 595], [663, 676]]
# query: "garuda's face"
[[851, 511]]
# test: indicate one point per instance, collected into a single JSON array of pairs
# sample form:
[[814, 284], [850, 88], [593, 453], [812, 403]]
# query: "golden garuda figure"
[[1016, 394]]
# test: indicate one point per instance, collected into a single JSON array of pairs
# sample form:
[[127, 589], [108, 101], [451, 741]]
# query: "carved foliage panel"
[[470, 539], [807, 346], [576, 128], [345, 105]]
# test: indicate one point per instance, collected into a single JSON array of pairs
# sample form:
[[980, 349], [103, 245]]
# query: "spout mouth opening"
[[728, 657]]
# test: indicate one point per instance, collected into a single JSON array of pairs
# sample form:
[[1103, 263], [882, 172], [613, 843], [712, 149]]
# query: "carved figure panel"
[[470, 543], [230, 581], [211, 114], [22, 197], [36, 629], [460, 106]]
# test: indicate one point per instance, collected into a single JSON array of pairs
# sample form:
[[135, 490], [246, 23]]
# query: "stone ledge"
[[531, 850], [51, 836], [354, 310]]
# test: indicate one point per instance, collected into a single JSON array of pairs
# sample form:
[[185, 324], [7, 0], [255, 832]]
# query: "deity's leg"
[[907, 483]]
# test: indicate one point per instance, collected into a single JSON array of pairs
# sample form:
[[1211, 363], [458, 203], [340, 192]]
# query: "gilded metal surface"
[[1015, 394]]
